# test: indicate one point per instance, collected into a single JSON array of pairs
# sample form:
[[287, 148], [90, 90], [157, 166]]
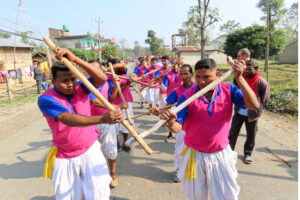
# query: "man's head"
[[153, 62], [205, 72], [165, 60], [143, 62], [95, 63], [251, 68], [243, 54], [63, 79], [186, 73]]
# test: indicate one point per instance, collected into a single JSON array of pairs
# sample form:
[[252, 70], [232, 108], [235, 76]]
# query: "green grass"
[[19, 100]]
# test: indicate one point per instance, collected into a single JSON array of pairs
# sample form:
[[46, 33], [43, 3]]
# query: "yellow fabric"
[[49, 163], [44, 67], [191, 170], [159, 96]]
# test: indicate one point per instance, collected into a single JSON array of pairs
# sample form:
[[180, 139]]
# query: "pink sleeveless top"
[[97, 110], [174, 81]]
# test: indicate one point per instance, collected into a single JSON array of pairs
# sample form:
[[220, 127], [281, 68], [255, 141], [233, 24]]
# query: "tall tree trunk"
[[202, 43], [267, 40]]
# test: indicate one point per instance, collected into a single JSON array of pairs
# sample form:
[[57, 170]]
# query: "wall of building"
[[71, 42], [192, 57], [23, 58], [290, 54]]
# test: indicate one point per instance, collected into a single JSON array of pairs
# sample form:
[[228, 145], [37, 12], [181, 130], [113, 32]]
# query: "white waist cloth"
[[216, 174], [152, 95], [179, 146], [108, 140], [123, 129], [83, 177]]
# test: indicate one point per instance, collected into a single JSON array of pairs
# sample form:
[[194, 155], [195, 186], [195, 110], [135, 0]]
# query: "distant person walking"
[[38, 76]]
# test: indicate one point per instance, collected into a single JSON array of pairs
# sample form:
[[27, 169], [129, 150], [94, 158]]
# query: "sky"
[[120, 19]]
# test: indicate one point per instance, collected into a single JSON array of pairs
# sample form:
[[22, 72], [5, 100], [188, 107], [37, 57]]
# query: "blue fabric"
[[212, 100], [136, 71], [172, 98], [243, 112], [92, 96], [49, 106], [237, 96], [84, 87], [166, 81], [183, 114], [111, 85], [157, 73]]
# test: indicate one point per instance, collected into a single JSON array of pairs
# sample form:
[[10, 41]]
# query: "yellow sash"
[[159, 96], [191, 170], [49, 163]]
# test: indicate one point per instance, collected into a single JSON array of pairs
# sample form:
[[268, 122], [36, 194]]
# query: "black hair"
[[154, 59], [165, 57], [113, 61], [58, 66], [188, 66], [251, 62], [94, 60], [206, 63]]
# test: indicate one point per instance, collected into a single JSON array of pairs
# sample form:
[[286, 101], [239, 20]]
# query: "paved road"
[[148, 177]]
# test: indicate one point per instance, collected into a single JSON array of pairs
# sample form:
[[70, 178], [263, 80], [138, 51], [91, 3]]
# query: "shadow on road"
[[37, 146], [43, 198]]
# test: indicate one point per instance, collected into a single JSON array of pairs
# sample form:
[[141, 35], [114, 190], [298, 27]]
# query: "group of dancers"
[[85, 133]]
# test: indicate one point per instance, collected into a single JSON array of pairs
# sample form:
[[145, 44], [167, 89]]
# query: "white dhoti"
[[216, 174], [179, 146], [108, 140], [83, 177], [162, 100], [152, 95], [123, 129]]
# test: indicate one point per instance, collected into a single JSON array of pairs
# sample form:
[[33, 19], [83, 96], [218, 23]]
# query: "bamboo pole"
[[122, 77], [184, 104], [147, 113], [120, 92], [99, 96]]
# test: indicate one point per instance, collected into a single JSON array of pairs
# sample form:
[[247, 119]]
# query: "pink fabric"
[[172, 83], [2, 75], [143, 70], [150, 76], [72, 141], [180, 90], [126, 93], [97, 110], [207, 133]]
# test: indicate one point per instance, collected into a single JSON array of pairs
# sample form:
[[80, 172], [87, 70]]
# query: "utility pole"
[[99, 46], [19, 8]]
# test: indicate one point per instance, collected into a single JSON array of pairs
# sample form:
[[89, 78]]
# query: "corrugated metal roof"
[[4, 42]]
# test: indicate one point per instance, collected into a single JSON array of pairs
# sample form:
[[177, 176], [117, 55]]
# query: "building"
[[290, 53], [191, 54], [22, 55], [89, 41]]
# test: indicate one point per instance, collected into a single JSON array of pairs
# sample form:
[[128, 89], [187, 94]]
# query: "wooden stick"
[[162, 74], [279, 159], [151, 72], [99, 96], [137, 91], [147, 113], [120, 92], [184, 104], [128, 79]]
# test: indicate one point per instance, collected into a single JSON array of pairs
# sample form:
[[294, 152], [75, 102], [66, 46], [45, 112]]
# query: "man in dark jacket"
[[262, 90], [38, 75]]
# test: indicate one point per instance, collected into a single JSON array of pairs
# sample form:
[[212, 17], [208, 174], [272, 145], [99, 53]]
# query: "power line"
[[17, 34]]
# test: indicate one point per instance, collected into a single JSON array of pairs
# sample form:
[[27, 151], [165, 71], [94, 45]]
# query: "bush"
[[86, 55], [285, 101]]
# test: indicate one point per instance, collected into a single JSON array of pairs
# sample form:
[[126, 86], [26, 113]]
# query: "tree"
[[156, 44], [225, 29], [253, 38], [273, 10], [5, 35], [201, 17], [138, 49], [193, 34], [108, 50], [290, 22]]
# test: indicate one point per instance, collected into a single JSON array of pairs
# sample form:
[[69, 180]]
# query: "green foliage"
[[276, 10], [109, 50], [84, 54], [289, 22], [253, 38], [193, 34], [138, 49], [284, 101], [5, 35], [156, 44]]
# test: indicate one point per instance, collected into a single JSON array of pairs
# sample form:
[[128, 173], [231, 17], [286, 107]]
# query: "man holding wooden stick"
[[207, 163], [75, 162]]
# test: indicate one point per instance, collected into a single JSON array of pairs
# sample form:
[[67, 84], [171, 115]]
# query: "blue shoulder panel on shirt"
[[49, 106], [182, 115], [237, 96], [166, 81], [84, 87], [172, 98]]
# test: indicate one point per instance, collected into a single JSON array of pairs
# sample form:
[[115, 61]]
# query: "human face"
[[203, 77], [175, 67], [250, 71], [144, 63], [185, 75], [153, 63], [240, 56], [65, 82], [165, 62]]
